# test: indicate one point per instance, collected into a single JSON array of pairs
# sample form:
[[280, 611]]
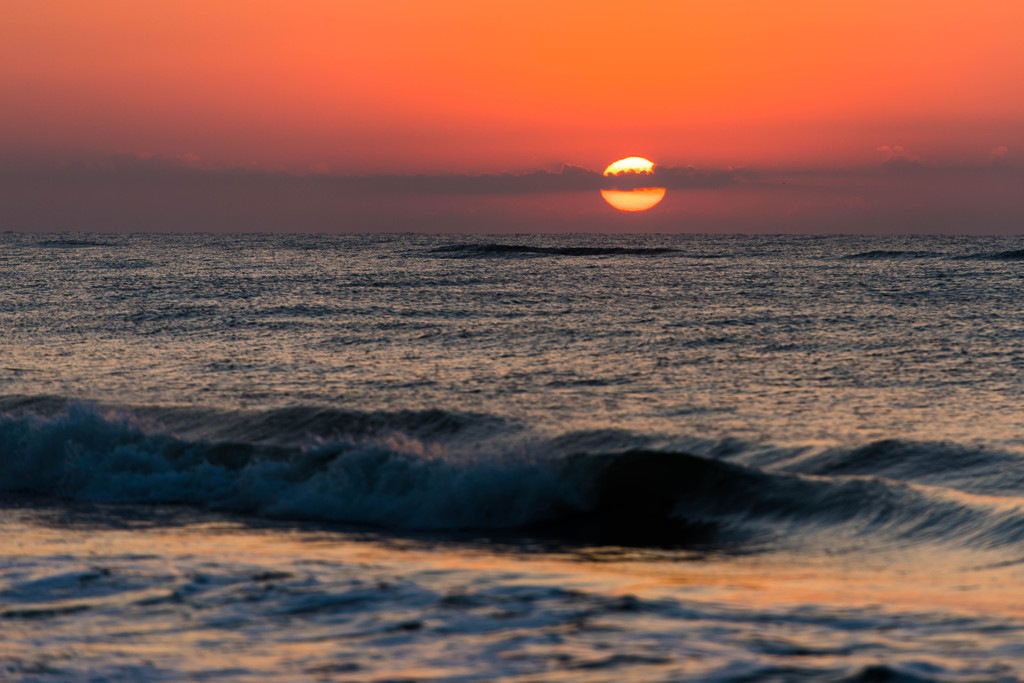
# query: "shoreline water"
[[280, 601]]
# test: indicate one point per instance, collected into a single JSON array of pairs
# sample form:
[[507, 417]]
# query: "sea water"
[[474, 458]]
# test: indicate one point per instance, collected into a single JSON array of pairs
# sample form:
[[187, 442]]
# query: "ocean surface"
[[517, 458]]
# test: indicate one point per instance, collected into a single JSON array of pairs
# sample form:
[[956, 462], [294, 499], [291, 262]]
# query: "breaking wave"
[[377, 475]]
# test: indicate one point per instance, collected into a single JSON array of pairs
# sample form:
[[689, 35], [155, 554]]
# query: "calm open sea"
[[523, 458]]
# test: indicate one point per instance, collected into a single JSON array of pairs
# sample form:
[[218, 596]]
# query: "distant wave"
[[504, 249], [891, 254], [630, 497], [71, 243], [1010, 255], [882, 254]]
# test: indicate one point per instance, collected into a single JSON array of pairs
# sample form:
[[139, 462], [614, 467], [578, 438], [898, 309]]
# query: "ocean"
[[511, 458]]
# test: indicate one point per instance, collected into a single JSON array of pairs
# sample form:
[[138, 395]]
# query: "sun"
[[630, 164], [635, 198]]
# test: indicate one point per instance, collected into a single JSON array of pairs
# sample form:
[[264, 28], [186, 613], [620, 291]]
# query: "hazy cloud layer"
[[148, 193], [145, 168]]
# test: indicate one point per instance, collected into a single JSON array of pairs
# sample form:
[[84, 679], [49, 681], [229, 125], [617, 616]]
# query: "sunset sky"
[[786, 116]]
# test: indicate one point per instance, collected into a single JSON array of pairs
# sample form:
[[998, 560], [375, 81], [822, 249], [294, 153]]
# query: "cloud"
[[998, 154], [121, 165], [186, 169], [896, 155], [567, 179], [677, 178], [133, 192]]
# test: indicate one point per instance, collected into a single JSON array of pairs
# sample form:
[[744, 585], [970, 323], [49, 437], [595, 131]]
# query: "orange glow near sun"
[[639, 199]]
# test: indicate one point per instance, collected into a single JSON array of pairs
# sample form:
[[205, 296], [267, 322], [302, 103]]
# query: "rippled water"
[[537, 457], [780, 339]]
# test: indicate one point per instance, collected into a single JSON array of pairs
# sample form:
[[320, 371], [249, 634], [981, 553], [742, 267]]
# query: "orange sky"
[[454, 85], [900, 115]]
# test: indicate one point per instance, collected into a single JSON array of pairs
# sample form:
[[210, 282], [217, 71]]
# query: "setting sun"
[[634, 199]]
